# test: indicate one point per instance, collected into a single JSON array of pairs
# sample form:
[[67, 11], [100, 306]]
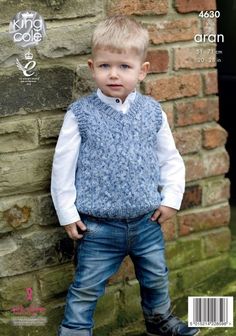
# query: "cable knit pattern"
[[117, 173]]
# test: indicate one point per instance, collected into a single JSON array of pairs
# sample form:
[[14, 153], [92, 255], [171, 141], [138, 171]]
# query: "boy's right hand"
[[73, 229]]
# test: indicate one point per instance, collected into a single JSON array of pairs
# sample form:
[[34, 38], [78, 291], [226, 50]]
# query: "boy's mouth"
[[114, 85]]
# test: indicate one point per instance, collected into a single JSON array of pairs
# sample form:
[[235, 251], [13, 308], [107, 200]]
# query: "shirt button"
[[117, 101]]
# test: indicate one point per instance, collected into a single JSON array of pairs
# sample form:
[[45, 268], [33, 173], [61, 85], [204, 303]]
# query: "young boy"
[[117, 177]]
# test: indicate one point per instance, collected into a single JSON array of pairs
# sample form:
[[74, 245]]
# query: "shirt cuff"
[[68, 216], [172, 200]]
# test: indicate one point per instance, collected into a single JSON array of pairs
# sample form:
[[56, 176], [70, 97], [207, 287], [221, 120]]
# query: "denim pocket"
[[92, 224], [150, 221], [149, 215]]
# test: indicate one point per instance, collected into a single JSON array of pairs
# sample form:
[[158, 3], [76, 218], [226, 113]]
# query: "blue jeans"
[[100, 253]]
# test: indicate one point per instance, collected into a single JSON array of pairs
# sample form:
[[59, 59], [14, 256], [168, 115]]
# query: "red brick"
[[186, 6], [183, 252], [173, 31], [192, 197], [214, 136], [216, 242], [216, 191], [194, 167], [203, 219], [209, 26], [188, 140], [178, 86], [169, 229], [191, 58], [159, 60], [215, 162], [126, 272], [210, 81], [196, 111], [137, 7]]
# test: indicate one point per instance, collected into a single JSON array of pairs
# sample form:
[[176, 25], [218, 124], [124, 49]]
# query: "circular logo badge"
[[27, 29]]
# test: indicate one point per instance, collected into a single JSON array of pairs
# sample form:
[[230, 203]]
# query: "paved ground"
[[219, 285]]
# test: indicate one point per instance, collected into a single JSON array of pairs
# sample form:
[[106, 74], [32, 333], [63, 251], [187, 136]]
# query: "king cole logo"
[[27, 29]]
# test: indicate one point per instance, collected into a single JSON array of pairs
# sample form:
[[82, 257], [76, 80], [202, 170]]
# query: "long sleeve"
[[172, 169], [63, 171]]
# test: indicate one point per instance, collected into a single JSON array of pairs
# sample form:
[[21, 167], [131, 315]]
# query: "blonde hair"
[[119, 33]]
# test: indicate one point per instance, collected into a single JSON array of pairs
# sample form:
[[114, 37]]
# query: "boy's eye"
[[104, 65], [125, 66]]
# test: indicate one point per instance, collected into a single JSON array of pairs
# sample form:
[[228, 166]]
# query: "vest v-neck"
[[134, 108]]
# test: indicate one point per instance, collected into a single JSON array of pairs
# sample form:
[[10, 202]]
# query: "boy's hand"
[[163, 213], [74, 230]]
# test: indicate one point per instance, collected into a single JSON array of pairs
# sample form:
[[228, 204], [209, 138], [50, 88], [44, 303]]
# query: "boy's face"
[[117, 74]]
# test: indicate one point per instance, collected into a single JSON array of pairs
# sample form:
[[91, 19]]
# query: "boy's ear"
[[90, 64], [144, 70]]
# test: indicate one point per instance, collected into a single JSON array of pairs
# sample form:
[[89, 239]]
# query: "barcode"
[[214, 311]]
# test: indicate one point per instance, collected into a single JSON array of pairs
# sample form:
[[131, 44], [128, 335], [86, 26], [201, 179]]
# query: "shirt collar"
[[116, 103]]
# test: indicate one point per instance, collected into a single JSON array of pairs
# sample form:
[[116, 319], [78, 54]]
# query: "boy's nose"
[[113, 73]]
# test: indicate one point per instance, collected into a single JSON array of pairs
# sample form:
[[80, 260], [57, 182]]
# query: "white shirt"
[[63, 191]]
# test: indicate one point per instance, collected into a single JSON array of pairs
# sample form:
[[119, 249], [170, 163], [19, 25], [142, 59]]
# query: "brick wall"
[[32, 245]]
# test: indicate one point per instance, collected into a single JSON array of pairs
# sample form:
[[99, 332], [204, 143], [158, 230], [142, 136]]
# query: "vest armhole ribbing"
[[158, 114], [78, 111]]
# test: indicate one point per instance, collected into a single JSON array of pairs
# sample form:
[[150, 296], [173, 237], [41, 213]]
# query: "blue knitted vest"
[[117, 172]]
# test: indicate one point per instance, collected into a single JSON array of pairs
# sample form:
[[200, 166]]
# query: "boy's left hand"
[[163, 213]]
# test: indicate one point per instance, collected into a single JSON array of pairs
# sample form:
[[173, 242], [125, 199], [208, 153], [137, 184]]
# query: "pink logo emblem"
[[29, 294]]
